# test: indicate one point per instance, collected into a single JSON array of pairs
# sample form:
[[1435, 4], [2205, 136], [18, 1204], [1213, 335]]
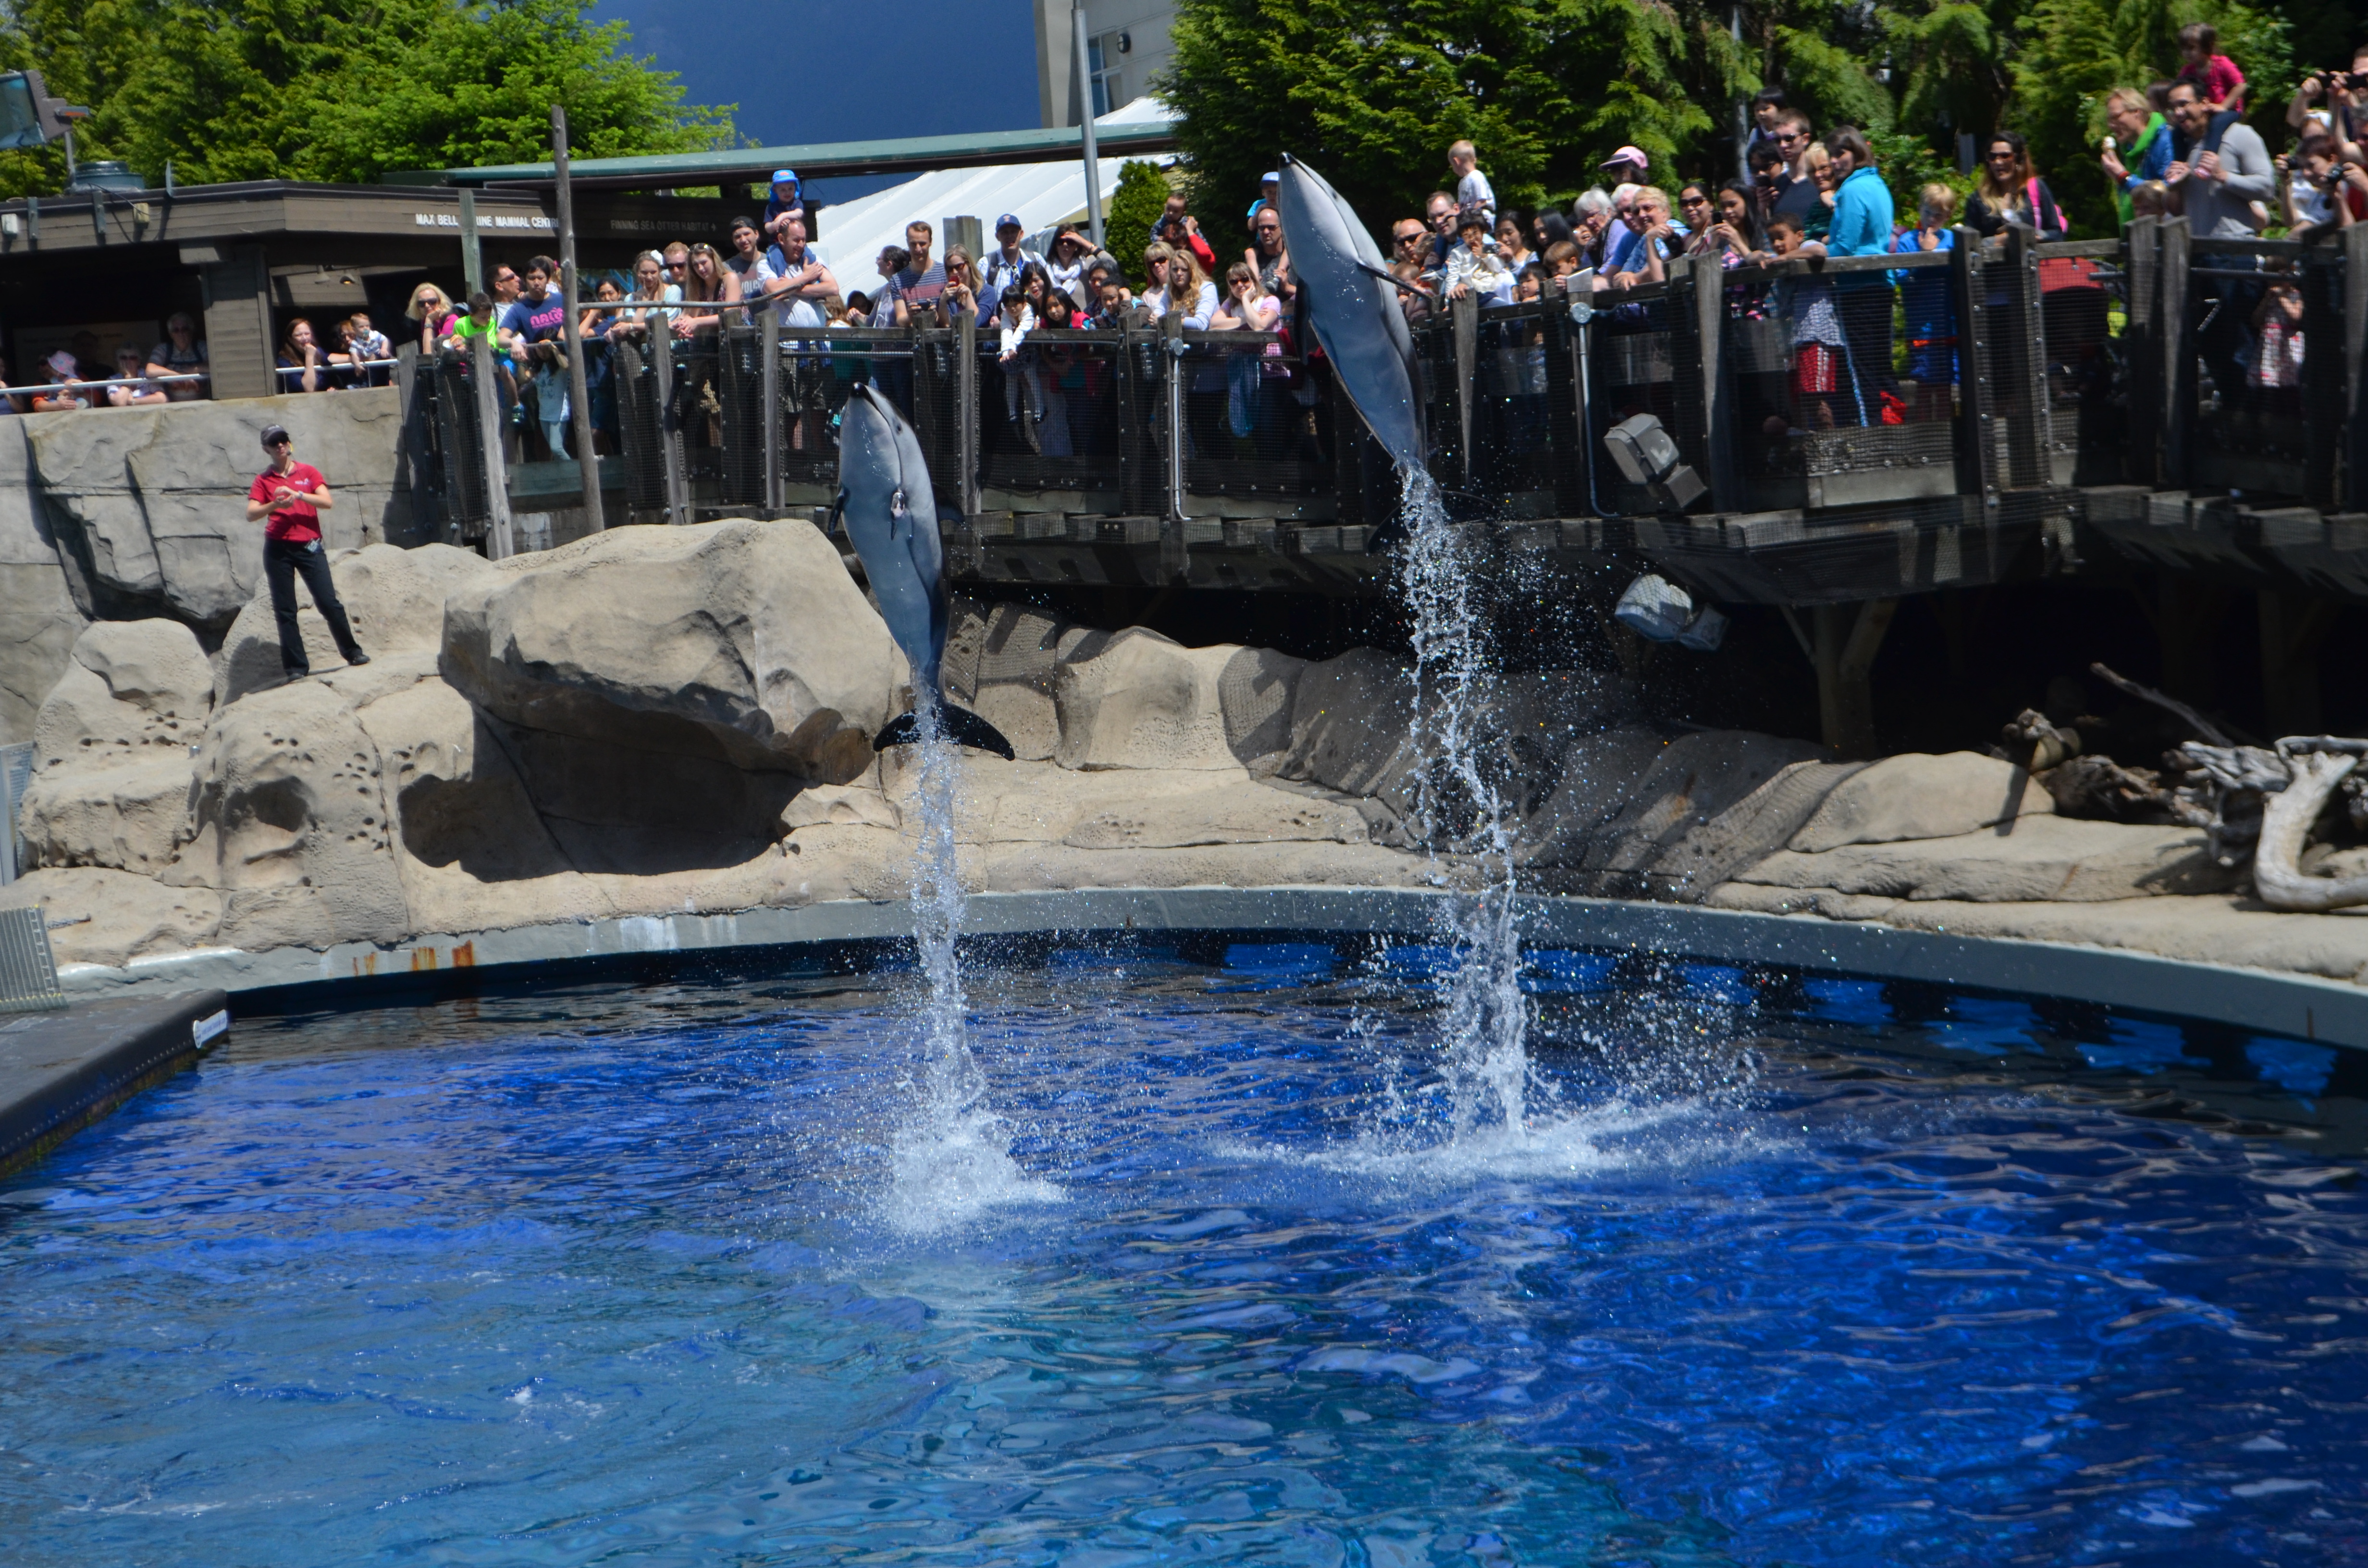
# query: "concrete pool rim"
[[2331, 1012]]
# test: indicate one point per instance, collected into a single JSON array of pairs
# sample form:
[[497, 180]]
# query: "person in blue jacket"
[[1930, 316], [1861, 226]]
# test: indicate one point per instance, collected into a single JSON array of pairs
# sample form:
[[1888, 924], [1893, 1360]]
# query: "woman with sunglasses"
[[1725, 225], [650, 289], [2010, 192], [708, 282]]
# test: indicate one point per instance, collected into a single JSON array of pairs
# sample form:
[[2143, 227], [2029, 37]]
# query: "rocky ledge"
[[663, 721]]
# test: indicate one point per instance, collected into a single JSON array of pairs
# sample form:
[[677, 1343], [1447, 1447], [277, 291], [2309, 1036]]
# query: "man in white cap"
[[288, 498], [1002, 266]]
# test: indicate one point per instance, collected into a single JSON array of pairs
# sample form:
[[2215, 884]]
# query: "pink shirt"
[[2215, 78]]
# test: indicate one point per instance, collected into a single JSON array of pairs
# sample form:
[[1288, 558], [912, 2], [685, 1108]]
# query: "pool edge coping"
[[2331, 1012]]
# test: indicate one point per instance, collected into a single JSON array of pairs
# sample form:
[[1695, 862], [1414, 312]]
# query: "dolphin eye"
[[897, 502]]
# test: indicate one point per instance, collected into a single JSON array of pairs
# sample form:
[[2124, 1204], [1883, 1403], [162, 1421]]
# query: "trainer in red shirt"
[[289, 497]]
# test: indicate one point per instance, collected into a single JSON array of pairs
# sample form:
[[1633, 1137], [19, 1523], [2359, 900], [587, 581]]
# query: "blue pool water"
[[1794, 1272]]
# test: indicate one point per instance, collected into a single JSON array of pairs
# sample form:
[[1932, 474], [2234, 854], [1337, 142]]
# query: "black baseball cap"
[[273, 435]]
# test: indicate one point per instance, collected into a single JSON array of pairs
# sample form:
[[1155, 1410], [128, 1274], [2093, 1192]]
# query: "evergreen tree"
[[341, 90], [1372, 91], [1136, 206]]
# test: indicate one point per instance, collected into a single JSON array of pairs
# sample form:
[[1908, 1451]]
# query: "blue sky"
[[804, 72]]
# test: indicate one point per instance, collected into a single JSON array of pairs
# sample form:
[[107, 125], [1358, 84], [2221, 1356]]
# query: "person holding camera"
[[2315, 196], [2334, 100]]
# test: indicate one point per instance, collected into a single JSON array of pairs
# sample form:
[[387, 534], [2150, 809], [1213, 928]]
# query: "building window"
[[1102, 66]]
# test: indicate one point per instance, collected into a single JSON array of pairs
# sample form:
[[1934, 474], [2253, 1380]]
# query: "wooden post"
[[2353, 486], [495, 467], [1710, 330], [1977, 473], [966, 411], [769, 344], [473, 254], [1845, 661], [1171, 344], [2176, 337], [2142, 360], [2033, 433], [587, 457], [678, 501], [1463, 313]]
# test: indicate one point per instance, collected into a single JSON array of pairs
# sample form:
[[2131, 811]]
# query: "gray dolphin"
[[1353, 304], [892, 518]]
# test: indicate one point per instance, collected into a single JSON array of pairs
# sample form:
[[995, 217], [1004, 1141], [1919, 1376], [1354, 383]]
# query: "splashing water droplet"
[[953, 1158], [1464, 810]]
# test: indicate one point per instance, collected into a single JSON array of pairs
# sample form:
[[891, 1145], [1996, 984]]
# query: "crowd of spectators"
[[2177, 147]]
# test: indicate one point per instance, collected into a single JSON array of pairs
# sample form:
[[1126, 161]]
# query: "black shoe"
[[289, 677], [357, 657]]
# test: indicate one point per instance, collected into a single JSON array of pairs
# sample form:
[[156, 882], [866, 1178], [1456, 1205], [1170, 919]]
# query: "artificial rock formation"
[[40, 617], [665, 720], [150, 503], [111, 749]]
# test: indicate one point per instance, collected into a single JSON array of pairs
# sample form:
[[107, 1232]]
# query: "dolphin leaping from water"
[[1352, 303], [892, 517]]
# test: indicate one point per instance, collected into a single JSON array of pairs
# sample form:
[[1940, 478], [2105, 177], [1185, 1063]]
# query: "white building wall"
[[1134, 34]]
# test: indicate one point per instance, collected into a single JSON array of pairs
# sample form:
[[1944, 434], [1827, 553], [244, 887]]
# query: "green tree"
[[346, 90], [1372, 93], [1136, 206], [2074, 51]]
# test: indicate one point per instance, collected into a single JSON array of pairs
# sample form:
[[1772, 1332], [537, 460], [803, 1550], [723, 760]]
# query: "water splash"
[[953, 1156], [1462, 809]]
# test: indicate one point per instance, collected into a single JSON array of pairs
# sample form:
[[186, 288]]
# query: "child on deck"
[[1932, 319], [1820, 347], [2215, 75], [1472, 187]]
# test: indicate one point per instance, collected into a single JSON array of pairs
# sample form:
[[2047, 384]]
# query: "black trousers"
[[283, 563]]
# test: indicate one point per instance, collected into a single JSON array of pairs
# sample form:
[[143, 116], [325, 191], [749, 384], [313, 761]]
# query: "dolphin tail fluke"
[[962, 726]]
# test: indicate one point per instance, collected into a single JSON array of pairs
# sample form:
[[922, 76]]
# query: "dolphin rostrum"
[[1352, 303], [892, 517]]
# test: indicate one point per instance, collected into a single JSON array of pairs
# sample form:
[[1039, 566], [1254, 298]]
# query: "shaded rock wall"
[[132, 514]]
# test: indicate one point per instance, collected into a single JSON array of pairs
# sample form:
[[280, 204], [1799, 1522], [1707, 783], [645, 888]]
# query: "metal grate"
[[28, 973]]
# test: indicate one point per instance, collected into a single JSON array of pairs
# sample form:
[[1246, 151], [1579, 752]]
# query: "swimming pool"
[[1790, 1270]]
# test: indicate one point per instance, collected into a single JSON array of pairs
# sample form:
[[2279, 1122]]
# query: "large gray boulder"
[[394, 598], [153, 500], [1003, 661], [1142, 700], [292, 824], [750, 632], [2043, 858], [1701, 807], [1918, 795], [112, 764]]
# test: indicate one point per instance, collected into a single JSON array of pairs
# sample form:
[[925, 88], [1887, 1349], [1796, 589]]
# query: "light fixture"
[[1645, 455], [1659, 611]]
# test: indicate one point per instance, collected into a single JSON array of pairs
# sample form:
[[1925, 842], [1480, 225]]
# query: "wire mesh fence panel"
[[2010, 392], [1516, 410], [449, 385], [818, 369], [1645, 357], [2263, 403], [2084, 320], [640, 430], [1246, 431], [740, 415], [697, 404], [1051, 412], [1844, 385]]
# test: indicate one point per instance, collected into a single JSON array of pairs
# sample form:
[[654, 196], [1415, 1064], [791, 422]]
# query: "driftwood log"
[[2261, 801]]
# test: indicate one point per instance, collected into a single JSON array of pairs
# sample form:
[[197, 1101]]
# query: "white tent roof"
[[854, 232]]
